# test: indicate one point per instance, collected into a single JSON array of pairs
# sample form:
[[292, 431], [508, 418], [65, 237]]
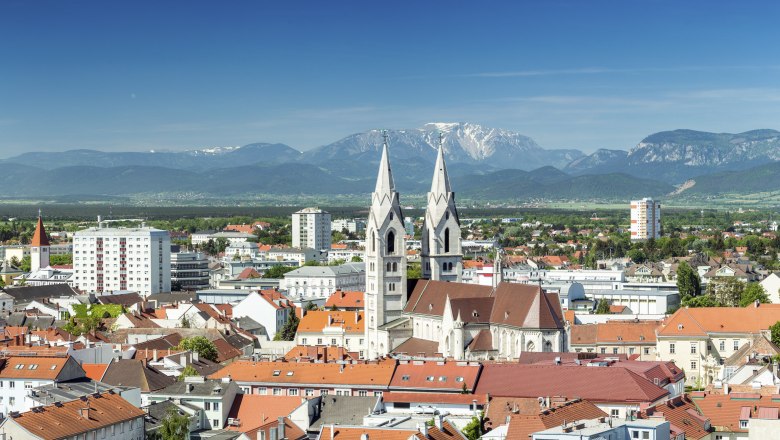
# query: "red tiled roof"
[[725, 411], [521, 426], [703, 320], [65, 420], [316, 320], [38, 367], [254, 411], [319, 353], [345, 299], [682, 414], [39, 237], [435, 375], [368, 374], [597, 384], [435, 398], [94, 371]]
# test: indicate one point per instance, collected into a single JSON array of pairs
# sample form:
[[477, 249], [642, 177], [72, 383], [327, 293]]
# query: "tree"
[[775, 332], [25, 265], [688, 282], [727, 291], [287, 332], [701, 301], [413, 271], [603, 307], [473, 430], [637, 256], [753, 292], [201, 345], [356, 259], [277, 271], [187, 371], [175, 426]]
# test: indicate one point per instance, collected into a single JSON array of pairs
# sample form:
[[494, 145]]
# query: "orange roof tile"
[[65, 420], [94, 371], [356, 433], [39, 237], [254, 411], [316, 320], [38, 367], [368, 374], [683, 415], [704, 320], [345, 299], [725, 411], [428, 397], [327, 353]]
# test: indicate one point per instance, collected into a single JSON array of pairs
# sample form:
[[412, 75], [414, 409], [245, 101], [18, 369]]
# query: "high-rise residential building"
[[645, 219], [111, 259], [311, 229]]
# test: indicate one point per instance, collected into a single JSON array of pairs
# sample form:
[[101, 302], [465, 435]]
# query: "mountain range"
[[484, 163]]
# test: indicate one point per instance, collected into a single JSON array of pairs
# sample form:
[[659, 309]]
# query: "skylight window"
[[19, 366], [459, 379], [429, 378], [277, 372], [289, 373], [53, 367], [33, 366], [405, 377], [442, 378]]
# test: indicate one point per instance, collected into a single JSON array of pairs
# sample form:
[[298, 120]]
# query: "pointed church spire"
[[384, 180], [39, 237], [441, 181]]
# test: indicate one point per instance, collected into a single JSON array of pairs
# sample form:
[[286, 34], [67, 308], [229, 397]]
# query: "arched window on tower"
[[389, 267], [391, 242], [447, 240], [395, 267]]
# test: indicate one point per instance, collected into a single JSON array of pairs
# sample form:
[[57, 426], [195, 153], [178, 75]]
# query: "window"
[[277, 392], [391, 242], [292, 392], [207, 406], [447, 240], [647, 350], [614, 413], [215, 423], [429, 378], [362, 393], [215, 406], [319, 341], [603, 350], [614, 350], [262, 390], [743, 424], [671, 347], [736, 344], [405, 377], [693, 365], [646, 435], [333, 342], [722, 345], [635, 434], [303, 341], [309, 392], [693, 348]]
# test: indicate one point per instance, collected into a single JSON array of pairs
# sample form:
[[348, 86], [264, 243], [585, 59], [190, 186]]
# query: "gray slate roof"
[[343, 410]]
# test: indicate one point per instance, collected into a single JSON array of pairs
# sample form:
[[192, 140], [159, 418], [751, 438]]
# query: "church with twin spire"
[[441, 316]]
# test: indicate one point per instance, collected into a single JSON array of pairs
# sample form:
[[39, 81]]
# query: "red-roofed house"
[[346, 300], [336, 328], [267, 307]]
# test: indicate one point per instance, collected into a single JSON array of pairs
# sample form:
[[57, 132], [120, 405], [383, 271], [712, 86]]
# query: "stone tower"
[[385, 261], [442, 256]]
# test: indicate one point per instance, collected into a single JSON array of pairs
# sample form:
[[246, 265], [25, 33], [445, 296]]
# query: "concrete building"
[[352, 225], [311, 229], [189, 270], [645, 219], [109, 259]]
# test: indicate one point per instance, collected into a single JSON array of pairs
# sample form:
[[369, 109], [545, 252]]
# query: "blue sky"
[[179, 75]]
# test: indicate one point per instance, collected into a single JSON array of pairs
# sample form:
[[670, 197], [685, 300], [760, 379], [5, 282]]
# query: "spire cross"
[[384, 136], [441, 139], [39, 212]]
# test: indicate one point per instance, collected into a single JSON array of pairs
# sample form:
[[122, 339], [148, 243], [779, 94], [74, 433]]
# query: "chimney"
[[183, 360], [357, 317], [725, 388], [423, 427], [332, 431], [188, 388], [84, 413], [330, 319], [437, 419], [195, 356], [154, 355], [280, 429]]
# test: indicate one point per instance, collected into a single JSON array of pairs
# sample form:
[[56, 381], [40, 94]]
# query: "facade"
[[351, 225], [311, 229], [269, 308], [632, 338], [645, 219], [189, 270], [333, 328], [321, 281], [110, 259], [699, 340], [20, 374], [385, 261], [442, 257], [600, 429], [214, 397]]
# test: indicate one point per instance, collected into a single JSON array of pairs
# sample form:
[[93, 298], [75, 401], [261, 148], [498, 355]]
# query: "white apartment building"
[[352, 225], [311, 229], [20, 374], [321, 281], [645, 219], [110, 259]]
